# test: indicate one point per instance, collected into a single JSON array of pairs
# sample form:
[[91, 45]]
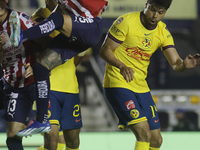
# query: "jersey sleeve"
[[119, 30], [168, 41]]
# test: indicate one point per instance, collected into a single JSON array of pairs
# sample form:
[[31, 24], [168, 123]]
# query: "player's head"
[[3, 8], [154, 11], [161, 3]]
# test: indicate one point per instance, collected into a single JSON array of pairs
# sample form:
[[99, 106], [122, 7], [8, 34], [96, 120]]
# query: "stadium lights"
[[167, 98], [181, 99], [194, 99]]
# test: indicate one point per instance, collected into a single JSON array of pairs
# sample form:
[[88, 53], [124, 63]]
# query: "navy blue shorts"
[[86, 33], [87, 30], [18, 102], [65, 110], [132, 108]]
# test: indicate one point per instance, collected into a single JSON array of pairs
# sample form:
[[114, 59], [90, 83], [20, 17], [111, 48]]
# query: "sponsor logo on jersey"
[[42, 89], [119, 20], [138, 53], [147, 34], [115, 30], [49, 104], [130, 105], [134, 113], [47, 27], [77, 120]]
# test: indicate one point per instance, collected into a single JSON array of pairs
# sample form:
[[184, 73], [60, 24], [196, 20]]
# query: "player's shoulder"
[[162, 24], [130, 15], [127, 18]]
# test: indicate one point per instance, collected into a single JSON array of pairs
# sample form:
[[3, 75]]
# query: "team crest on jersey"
[[119, 20], [134, 113], [146, 42], [49, 113]]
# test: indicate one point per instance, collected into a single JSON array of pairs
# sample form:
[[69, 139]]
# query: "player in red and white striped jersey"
[[85, 8], [14, 58], [19, 91]]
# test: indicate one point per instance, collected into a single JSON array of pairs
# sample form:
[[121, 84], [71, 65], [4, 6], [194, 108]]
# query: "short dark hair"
[[163, 3]]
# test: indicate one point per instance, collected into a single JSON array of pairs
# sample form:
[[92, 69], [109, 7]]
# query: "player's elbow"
[[102, 52]]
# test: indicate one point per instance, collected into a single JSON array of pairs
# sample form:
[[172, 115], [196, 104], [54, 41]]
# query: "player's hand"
[[3, 39], [191, 61], [33, 21], [127, 73], [29, 70]]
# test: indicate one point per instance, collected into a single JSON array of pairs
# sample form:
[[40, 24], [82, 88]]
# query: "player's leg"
[[86, 30], [156, 140], [128, 108], [142, 134], [48, 60], [54, 22], [61, 142], [12, 140], [18, 103], [51, 138], [72, 138], [153, 120], [71, 121]]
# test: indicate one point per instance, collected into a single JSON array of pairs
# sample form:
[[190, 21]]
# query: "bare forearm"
[[110, 58]]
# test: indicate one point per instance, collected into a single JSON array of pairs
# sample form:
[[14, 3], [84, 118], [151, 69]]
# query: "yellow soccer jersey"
[[137, 46], [63, 78]]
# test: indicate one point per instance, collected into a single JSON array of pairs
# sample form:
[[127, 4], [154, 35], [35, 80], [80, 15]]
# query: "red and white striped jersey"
[[14, 58], [85, 8]]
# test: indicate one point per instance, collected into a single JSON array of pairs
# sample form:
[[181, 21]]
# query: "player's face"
[[153, 14], [3, 8]]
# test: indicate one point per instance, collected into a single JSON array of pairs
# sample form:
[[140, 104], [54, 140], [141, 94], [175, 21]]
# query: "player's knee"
[[11, 132], [72, 139], [145, 135], [156, 142], [142, 133]]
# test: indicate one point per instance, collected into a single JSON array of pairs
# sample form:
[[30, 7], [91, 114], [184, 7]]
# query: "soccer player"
[[64, 104], [131, 41], [19, 90], [83, 27]]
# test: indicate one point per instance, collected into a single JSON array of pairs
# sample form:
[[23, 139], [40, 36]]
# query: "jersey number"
[[12, 105], [153, 109], [76, 110]]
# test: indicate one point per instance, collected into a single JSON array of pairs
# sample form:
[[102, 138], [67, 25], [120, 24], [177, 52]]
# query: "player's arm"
[[2, 45], [177, 63], [106, 53], [79, 57]]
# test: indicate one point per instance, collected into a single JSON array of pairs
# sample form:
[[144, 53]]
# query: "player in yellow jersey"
[[131, 41], [64, 106]]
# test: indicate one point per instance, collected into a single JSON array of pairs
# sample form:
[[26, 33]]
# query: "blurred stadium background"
[[174, 93]]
